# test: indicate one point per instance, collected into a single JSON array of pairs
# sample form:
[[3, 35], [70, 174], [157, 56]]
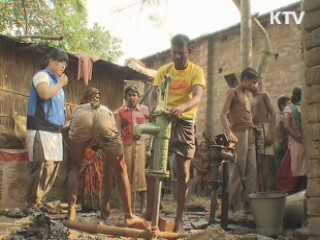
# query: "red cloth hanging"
[[85, 67]]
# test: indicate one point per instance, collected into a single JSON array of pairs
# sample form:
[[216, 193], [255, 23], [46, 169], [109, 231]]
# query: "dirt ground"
[[49, 225]]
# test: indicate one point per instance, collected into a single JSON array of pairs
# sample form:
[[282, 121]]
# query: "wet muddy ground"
[[16, 225]]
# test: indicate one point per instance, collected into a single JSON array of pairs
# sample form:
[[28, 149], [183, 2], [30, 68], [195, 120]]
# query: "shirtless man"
[[242, 178], [263, 116]]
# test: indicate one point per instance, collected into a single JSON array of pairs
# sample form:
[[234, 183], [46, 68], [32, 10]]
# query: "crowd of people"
[[265, 142], [264, 158]]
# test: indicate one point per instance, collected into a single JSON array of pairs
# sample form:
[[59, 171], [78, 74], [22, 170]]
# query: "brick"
[[311, 21], [312, 57], [312, 39], [313, 150], [312, 75], [311, 94], [313, 188], [313, 131], [313, 226], [313, 113], [311, 5], [313, 168], [313, 206]]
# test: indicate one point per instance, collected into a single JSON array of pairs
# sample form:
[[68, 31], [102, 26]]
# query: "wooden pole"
[[246, 34], [124, 232]]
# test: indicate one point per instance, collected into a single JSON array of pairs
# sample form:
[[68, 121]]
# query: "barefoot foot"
[[135, 222]]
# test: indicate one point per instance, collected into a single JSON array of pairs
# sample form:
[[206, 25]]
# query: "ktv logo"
[[279, 16]]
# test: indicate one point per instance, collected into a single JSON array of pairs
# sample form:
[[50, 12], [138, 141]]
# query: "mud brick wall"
[[311, 100], [219, 54]]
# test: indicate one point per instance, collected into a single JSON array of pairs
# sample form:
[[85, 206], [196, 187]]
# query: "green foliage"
[[67, 18]]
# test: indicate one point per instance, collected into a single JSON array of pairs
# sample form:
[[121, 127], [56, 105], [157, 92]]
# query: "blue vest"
[[47, 115]]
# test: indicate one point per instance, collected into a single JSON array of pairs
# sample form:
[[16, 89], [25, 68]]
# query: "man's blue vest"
[[47, 115]]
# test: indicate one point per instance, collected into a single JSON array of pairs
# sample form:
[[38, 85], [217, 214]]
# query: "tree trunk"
[[311, 113]]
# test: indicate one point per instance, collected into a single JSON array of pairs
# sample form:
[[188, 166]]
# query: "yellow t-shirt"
[[180, 87]]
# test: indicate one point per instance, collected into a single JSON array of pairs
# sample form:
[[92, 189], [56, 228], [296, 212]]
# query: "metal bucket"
[[268, 211]]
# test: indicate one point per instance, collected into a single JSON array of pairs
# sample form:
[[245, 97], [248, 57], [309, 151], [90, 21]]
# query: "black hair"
[[296, 95], [132, 89], [55, 54], [282, 101], [248, 74], [181, 40]]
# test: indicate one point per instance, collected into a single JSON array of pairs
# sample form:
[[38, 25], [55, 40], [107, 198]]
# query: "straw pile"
[[211, 233]]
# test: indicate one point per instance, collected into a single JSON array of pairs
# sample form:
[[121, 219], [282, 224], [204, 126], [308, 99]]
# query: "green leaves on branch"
[[67, 18]]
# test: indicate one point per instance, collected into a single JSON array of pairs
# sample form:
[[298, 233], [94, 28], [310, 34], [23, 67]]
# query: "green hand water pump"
[[161, 130]]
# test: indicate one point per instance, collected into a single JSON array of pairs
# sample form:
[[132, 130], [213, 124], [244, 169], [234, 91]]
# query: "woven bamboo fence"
[[19, 63]]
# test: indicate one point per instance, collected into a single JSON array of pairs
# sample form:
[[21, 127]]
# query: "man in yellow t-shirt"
[[185, 91]]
